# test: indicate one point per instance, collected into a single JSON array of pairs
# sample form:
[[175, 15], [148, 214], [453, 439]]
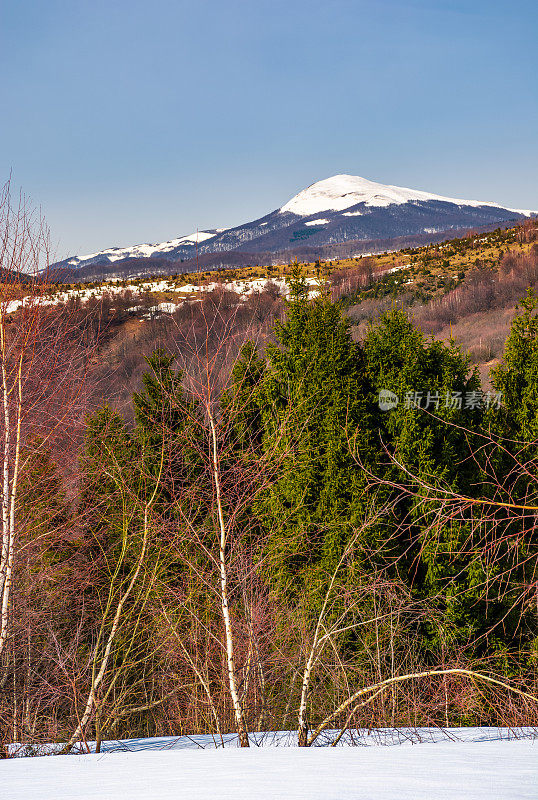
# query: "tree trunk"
[[230, 656]]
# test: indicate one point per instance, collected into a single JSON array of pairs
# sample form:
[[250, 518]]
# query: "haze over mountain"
[[339, 209]]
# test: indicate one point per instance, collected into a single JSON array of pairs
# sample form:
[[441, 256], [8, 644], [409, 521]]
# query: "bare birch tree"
[[42, 372]]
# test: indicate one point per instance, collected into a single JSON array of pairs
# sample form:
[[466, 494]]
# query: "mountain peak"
[[343, 191]]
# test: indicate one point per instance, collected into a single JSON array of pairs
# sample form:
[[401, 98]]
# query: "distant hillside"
[[337, 217]]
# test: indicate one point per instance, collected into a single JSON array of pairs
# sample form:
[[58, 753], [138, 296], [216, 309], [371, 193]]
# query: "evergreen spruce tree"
[[515, 427], [42, 505], [516, 378], [315, 402], [438, 401], [167, 435], [240, 403], [105, 464]]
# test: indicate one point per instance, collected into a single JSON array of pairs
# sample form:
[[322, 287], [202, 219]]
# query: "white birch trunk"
[[10, 474], [230, 656]]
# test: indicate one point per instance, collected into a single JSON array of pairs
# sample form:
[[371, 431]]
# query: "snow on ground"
[[243, 288], [473, 764], [396, 269]]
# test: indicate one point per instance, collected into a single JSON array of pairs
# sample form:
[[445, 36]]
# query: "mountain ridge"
[[334, 210]]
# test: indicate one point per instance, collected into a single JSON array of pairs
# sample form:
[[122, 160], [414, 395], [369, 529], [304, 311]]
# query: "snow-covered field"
[[458, 764]]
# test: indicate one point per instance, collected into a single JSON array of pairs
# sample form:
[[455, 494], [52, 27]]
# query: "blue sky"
[[130, 121]]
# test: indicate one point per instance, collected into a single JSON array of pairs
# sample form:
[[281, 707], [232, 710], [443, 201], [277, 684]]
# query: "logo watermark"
[[387, 400]]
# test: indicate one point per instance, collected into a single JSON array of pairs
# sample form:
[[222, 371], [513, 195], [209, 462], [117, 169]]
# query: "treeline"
[[287, 529]]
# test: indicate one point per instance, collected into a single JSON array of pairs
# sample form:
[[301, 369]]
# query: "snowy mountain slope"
[[343, 191], [338, 209], [141, 250]]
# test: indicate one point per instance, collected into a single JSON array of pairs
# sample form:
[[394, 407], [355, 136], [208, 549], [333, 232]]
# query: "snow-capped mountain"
[[338, 209], [343, 191]]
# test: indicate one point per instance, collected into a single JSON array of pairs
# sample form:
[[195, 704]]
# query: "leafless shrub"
[[344, 282], [483, 290]]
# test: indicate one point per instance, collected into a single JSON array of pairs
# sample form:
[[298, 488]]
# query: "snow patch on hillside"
[[187, 291]]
